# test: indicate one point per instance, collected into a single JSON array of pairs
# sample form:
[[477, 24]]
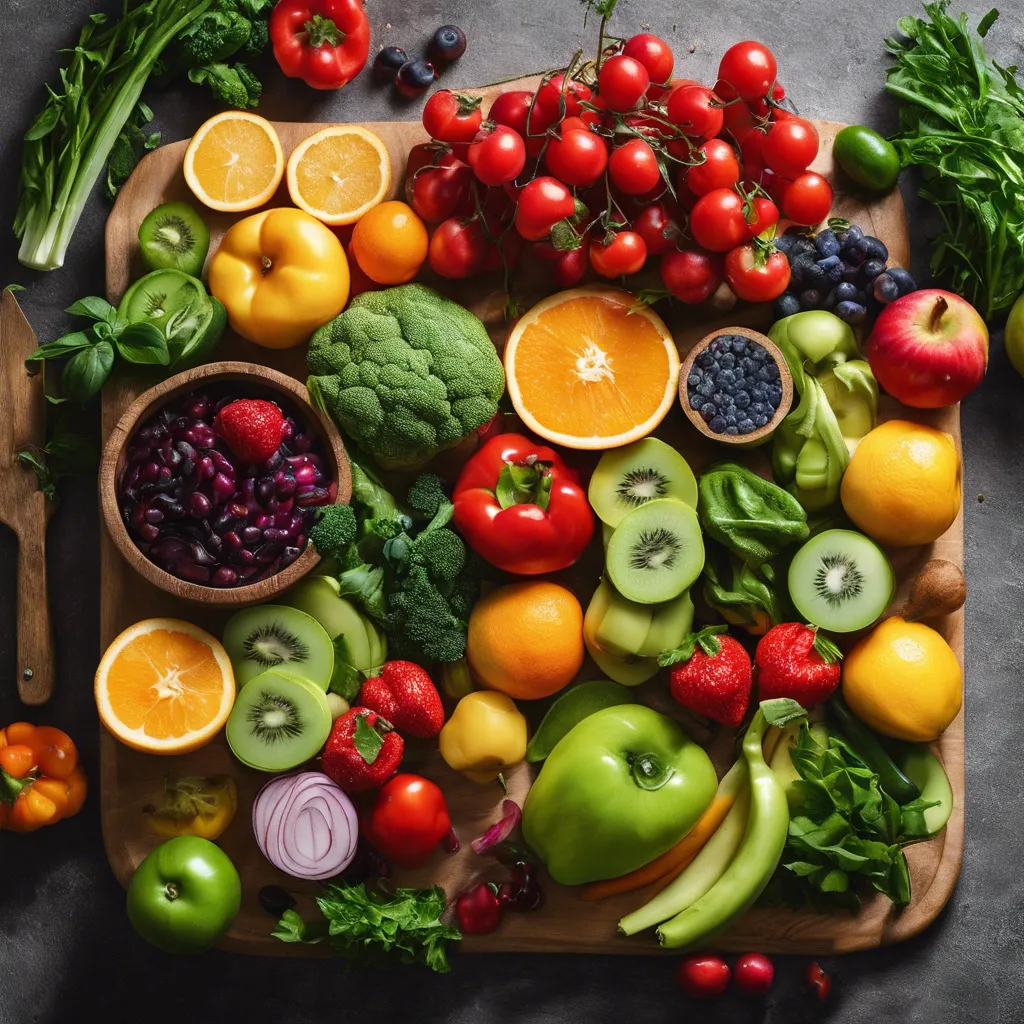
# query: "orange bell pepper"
[[41, 781]]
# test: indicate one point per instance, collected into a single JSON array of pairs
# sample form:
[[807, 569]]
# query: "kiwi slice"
[[840, 580], [637, 473], [272, 636], [656, 551], [279, 721], [174, 237]]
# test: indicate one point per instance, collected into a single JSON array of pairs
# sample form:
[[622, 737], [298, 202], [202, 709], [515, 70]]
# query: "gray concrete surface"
[[67, 952]]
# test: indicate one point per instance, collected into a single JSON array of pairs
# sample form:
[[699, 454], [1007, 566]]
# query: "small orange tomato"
[[390, 243]]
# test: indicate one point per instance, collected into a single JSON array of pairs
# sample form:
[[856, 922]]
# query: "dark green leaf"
[[87, 371], [61, 348], [143, 343], [37, 464], [95, 308], [12, 288], [44, 123], [366, 740]]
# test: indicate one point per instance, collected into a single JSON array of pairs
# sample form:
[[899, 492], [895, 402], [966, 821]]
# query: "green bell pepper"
[[619, 789]]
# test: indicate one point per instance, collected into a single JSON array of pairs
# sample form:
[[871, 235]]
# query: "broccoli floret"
[[421, 621], [334, 532], [427, 495], [441, 552], [129, 147], [258, 40], [214, 37], [233, 84]]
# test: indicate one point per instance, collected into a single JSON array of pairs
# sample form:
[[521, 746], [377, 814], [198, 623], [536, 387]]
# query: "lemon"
[[902, 486], [904, 681]]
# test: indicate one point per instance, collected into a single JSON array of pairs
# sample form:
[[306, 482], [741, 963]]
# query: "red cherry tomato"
[[656, 93], [807, 199], [625, 253], [754, 974], [654, 53], [752, 151], [766, 215], [717, 221], [594, 117], [457, 248], [452, 117], [441, 191], [737, 117], [568, 268], [694, 108], [720, 168], [578, 157], [790, 146], [658, 230], [512, 110], [703, 976], [549, 99], [691, 276], [497, 156], [408, 820], [755, 275], [544, 250], [542, 204], [778, 92], [750, 68], [478, 910], [633, 168], [622, 82]]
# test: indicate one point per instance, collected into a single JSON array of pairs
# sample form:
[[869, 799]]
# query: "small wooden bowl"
[[255, 380], [786, 379]]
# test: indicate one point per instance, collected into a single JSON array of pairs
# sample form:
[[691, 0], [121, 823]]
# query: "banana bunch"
[[625, 638]]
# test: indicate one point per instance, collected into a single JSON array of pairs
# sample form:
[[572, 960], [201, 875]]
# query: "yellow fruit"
[[902, 485], [390, 243], [591, 368], [339, 173], [234, 162], [526, 639], [164, 686], [904, 681]]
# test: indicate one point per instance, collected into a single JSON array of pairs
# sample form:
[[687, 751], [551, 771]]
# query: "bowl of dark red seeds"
[[212, 479], [735, 386]]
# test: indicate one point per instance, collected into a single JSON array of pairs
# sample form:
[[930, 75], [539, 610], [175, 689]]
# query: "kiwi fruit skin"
[[656, 552], [174, 237], [841, 580], [269, 636], [305, 726], [643, 471]]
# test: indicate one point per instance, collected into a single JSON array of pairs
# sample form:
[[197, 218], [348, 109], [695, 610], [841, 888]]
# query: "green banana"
[[670, 624]]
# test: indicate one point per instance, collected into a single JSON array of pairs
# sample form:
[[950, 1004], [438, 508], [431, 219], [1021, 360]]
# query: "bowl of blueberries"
[[211, 480], [735, 386]]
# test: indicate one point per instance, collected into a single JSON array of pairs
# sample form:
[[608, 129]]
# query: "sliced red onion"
[[511, 815], [305, 825]]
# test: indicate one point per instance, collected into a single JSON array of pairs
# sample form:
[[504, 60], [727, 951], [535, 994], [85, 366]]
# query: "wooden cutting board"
[[566, 923]]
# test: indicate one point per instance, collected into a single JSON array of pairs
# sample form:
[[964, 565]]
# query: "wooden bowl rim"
[[117, 443], [786, 378]]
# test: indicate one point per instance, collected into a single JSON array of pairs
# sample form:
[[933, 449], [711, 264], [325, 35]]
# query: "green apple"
[[1013, 338]]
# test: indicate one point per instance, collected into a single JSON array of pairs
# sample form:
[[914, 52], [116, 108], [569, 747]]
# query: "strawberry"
[[405, 695], [794, 660], [363, 751], [251, 428], [711, 675]]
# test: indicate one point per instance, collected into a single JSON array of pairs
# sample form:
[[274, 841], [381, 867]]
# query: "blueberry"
[[761, 419], [706, 387], [726, 376], [786, 305], [835, 274], [811, 298], [784, 243], [387, 62], [826, 243], [747, 365], [717, 425], [757, 409], [851, 312], [875, 249], [414, 78], [727, 361], [765, 374], [742, 399], [854, 255], [696, 401], [720, 400], [759, 393], [717, 345], [850, 274], [815, 275], [705, 360], [871, 269], [828, 262], [732, 430], [745, 426], [709, 412], [852, 234], [695, 378], [798, 267], [738, 345], [903, 279], [885, 289], [845, 291], [447, 44], [774, 395], [731, 418], [802, 246]]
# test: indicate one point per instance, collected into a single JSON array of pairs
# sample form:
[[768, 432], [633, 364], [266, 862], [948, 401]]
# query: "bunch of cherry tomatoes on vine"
[[612, 164]]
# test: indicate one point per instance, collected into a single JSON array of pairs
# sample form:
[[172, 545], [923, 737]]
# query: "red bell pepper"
[[323, 42], [520, 507]]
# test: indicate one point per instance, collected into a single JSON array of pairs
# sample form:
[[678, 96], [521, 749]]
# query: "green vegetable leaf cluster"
[[69, 452], [129, 148], [369, 926], [962, 122]]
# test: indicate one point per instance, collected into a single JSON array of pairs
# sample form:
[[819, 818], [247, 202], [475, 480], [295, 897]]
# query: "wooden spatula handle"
[[35, 630]]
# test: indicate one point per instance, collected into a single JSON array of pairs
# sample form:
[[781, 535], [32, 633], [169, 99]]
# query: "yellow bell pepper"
[[195, 806], [280, 274], [485, 735]]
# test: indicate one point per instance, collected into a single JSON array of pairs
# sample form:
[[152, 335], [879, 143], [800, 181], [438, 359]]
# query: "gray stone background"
[[67, 952]]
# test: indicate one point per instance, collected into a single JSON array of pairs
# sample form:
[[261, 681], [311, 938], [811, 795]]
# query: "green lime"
[[577, 703], [1013, 338], [867, 158]]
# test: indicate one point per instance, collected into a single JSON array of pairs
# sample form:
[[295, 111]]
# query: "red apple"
[[929, 349]]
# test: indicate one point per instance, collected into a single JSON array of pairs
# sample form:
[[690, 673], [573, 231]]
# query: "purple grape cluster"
[[201, 515]]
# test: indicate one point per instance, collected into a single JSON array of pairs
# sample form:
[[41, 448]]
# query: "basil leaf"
[[95, 308], [44, 123], [87, 371], [61, 348], [366, 740], [143, 343]]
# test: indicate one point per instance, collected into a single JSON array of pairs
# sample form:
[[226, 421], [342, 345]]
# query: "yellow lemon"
[[904, 680], [902, 485]]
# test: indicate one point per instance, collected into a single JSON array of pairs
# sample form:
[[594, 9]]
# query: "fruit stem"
[[938, 311], [322, 30]]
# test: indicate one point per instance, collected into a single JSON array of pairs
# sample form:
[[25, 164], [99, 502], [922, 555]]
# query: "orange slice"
[[591, 368], [339, 173], [165, 686], [234, 162]]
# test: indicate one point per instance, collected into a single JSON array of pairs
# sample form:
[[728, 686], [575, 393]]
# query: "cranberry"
[[703, 976], [754, 974]]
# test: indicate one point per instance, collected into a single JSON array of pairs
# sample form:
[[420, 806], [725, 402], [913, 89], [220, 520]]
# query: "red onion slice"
[[511, 815]]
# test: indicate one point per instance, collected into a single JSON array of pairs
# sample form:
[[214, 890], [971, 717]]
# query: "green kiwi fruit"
[[272, 636], [840, 580], [174, 237], [656, 551], [643, 471], [278, 722]]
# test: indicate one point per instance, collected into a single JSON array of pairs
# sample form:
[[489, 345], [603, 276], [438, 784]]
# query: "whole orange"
[[389, 243], [526, 639]]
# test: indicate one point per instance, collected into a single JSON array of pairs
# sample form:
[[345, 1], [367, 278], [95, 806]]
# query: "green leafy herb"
[[69, 452], [129, 148], [369, 925], [962, 122], [366, 740]]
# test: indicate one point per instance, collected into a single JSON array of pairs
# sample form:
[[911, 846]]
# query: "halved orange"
[[339, 173], [165, 686], [591, 368], [234, 162]]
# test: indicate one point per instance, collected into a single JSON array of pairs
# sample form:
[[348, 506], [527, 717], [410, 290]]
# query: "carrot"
[[674, 860]]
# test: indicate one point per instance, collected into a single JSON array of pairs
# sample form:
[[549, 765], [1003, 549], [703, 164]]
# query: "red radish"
[[703, 976], [820, 983], [754, 974]]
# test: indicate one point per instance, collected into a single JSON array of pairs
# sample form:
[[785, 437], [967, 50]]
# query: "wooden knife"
[[23, 507]]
